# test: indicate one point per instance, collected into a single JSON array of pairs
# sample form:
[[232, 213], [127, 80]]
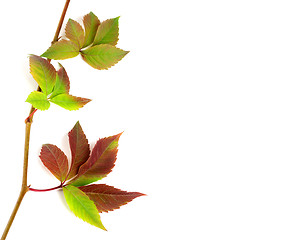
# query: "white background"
[[208, 98]]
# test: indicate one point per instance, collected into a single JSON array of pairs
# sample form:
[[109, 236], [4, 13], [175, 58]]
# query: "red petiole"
[[47, 189], [31, 114]]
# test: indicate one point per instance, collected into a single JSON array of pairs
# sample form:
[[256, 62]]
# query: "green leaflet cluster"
[[54, 85], [96, 43], [87, 200]]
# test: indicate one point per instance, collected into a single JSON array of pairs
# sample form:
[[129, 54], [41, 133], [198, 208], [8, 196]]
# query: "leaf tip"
[[43, 55], [59, 64], [117, 136], [103, 228]]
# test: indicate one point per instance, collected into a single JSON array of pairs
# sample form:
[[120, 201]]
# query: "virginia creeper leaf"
[[62, 49], [43, 72], [75, 32], [107, 198], [69, 102], [82, 206], [62, 84], [80, 149], [38, 100], [108, 32], [103, 56], [91, 24], [100, 162], [55, 160]]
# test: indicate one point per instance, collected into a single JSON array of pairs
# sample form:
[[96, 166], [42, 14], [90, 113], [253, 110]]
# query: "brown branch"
[[55, 39], [28, 123]]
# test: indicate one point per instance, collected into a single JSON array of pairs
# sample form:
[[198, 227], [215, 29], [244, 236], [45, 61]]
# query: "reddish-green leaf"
[[103, 56], [91, 24], [43, 72], [100, 162], [62, 84], [75, 32], [108, 32], [55, 160], [69, 102], [107, 198], [82, 206], [38, 100], [80, 149], [62, 50]]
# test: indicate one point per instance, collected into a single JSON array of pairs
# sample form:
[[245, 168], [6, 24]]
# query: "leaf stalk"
[[47, 189]]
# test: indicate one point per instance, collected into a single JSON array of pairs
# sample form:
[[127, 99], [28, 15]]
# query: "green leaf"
[[43, 72], [69, 102], [108, 32], [62, 49], [62, 84], [82, 206], [91, 24], [103, 56], [100, 163], [75, 32], [38, 100]]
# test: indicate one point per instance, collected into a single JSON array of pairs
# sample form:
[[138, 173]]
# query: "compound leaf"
[[108, 32], [100, 162], [69, 102], [103, 56], [55, 160], [62, 84], [91, 24], [43, 72], [38, 100], [62, 49], [107, 198], [82, 206], [75, 32], [80, 149]]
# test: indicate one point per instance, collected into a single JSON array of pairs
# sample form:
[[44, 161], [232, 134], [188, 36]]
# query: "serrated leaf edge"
[[91, 202]]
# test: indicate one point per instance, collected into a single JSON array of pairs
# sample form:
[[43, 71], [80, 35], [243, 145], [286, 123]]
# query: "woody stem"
[[28, 122]]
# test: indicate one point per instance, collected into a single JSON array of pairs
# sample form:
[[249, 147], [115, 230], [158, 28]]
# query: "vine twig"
[[28, 122]]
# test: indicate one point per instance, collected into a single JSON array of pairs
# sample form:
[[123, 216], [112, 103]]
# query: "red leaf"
[[79, 148], [63, 76], [55, 160], [100, 162], [107, 198], [62, 84]]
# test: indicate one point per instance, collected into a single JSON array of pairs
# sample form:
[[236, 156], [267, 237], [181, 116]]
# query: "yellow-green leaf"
[[103, 56], [69, 102], [62, 49], [108, 32], [43, 72], [91, 24], [75, 32], [82, 206], [38, 100]]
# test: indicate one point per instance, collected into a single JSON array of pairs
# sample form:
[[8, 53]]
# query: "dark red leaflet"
[[108, 198]]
